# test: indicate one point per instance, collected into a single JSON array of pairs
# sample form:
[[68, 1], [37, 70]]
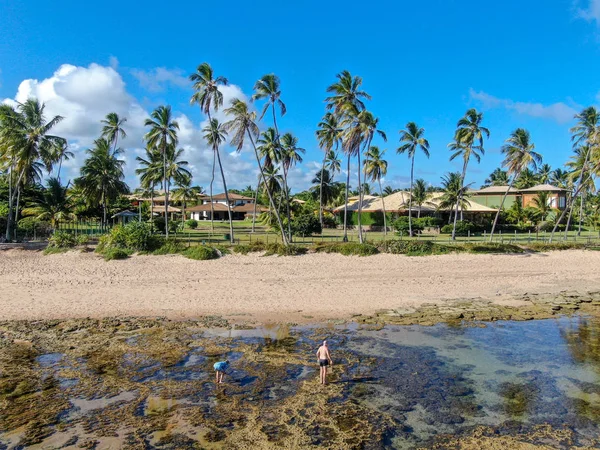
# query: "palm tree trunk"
[[104, 218], [459, 198], [345, 239], [412, 169], [152, 208], [581, 204], [165, 188], [10, 222], [17, 212], [287, 202], [383, 206], [360, 200], [212, 207], [255, 201], [515, 176], [59, 166], [321, 191], [271, 202], [231, 237], [568, 206]]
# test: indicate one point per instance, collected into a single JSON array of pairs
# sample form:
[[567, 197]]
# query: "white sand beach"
[[315, 286]]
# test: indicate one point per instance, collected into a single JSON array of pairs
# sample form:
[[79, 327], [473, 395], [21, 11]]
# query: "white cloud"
[[113, 62], [157, 79], [559, 112], [84, 95], [590, 12]]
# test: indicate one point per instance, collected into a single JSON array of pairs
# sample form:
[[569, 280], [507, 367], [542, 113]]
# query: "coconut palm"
[[112, 128], [184, 193], [527, 178], [498, 177], [291, 155], [388, 190], [586, 131], [468, 142], [333, 163], [560, 178], [419, 194], [542, 204], [215, 135], [544, 173], [329, 135], [412, 139], [206, 89], [242, 124], [62, 153], [375, 169], [346, 101], [325, 188], [579, 164], [101, 177], [51, 204], [163, 132], [453, 193], [29, 146], [150, 173], [267, 87], [519, 155]]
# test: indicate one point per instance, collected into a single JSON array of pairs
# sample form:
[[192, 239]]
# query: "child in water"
[[220, 368]]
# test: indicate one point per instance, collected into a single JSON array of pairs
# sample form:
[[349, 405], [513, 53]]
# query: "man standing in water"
[[324, 360]]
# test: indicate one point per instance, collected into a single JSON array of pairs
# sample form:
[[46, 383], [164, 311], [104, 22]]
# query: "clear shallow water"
[[426, 380]]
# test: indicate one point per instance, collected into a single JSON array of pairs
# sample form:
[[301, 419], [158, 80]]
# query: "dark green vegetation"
[[148, 383]]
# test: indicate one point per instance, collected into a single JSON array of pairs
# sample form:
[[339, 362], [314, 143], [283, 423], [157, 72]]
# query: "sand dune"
[[274, 288]]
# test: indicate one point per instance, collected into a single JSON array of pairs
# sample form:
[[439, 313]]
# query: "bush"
[[284, 250], [192, 224], [412, 248], [430, 221], [492, 247], [201, 253], [550, 246], [305, 224], [347, 248], [462, 228], [256, 246], [62, 239], [329, 220], [401, 225], [82, 240], [29, 225], [170, 247], [159, 224], [175, 226], [134, 236], [115, 253]]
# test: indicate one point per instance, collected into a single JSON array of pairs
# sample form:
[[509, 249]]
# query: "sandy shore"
[[317, 286]]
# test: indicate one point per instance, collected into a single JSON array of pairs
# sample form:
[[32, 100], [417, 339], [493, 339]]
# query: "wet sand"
[[305, 288]]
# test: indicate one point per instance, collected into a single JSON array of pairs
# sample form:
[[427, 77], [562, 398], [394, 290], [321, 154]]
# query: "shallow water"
[[407, 384]]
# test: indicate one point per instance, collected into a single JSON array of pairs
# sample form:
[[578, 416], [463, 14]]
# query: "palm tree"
[[267, 87], [578, 164], [519, 155], [163, 132], [215, 135], [346, 101], [419, 194], [585, 132], [324, 188], [150, 173], [375, 168], [51, 204], [62, 153], [453, 193], [560, 178], [527, 178], [468, 142], [242, 124], [333, 163], [101, 178], [542, 204], [544, 173], [209, 97], [388, 190], [498, 177], [113, 128], [329, 135], [411, 139], [25, 136], [291, 154], [184, 193]]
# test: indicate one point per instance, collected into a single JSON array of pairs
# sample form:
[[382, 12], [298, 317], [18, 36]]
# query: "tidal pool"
[[149, 384]]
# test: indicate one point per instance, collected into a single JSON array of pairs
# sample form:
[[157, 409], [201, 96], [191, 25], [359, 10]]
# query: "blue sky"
[[529, 64]]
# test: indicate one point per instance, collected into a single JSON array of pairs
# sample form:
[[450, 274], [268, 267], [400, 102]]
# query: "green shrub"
[[462, 228], [276, 248], [222, 249], [159, 224], [82, 240], [550, 246], [62, 239], [347, 248], [329, 220], [305, 224], [491, 247], [169, 247], [201, 253], [192, 224], [115, 253], [175, 226], [413, 248], [256, 246], [401, 225], [54, 250]]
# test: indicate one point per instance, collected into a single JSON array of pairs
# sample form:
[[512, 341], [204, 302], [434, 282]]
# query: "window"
[[552, 202], [562, 202]]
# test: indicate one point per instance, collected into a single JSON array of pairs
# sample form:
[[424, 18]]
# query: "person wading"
[[324, 360]]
